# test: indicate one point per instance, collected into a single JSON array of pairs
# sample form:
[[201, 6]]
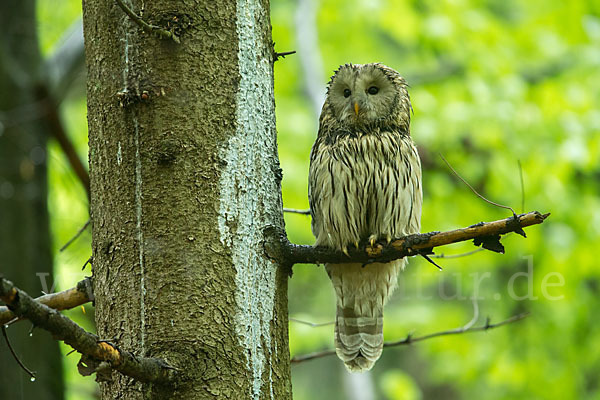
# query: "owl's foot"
[[373, 248], [372, 240]]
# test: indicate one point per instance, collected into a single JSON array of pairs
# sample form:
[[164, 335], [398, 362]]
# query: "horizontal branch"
[[311, 324], [409, 339], [65, 300], [296, 211], [486, 234], [143, 369]]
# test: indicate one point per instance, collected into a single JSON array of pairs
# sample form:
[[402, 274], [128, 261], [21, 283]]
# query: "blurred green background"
[[493, 82]]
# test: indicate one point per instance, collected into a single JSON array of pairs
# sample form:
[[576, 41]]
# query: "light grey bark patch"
[[248, 189]]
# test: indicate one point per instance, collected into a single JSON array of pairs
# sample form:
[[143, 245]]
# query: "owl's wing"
[[414, 221], [314, 190]]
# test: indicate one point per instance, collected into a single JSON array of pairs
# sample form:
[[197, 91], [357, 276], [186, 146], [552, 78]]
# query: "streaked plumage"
[[364, 185]]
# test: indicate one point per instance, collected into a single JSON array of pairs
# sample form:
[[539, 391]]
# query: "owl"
[[364, 186]]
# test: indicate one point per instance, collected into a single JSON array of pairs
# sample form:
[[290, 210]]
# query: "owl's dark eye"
[[347, 92], [373, 90]]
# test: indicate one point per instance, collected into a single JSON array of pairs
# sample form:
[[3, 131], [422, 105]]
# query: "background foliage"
[[492, 82]]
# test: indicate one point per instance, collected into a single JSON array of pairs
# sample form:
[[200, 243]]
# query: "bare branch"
[[146, 27], [295, 211], [56, 128], [17, 359], [277, 56], [79, 232], [468, 253], [143, 369], [473, 189], [522, 186], [475, 314], [486, 234], [65, 300], [311, 324], [460, 330], [88, 261], [409, 339], [429, 260]]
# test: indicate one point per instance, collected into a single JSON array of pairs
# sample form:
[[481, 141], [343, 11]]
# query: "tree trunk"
[[184, 177], [25, 246]]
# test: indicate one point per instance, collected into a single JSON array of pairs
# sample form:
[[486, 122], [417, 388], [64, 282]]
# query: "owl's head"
[[369, 95]]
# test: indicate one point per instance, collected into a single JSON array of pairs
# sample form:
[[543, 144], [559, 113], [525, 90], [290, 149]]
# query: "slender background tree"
[[25, 242]]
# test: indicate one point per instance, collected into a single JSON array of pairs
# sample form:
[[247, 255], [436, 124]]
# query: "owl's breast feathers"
[[364, 186]]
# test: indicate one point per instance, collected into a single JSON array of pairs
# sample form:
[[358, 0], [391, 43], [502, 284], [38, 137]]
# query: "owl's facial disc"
[[375, 95], [361, 95]]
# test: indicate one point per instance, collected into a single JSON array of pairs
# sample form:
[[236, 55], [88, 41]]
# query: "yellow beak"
[[356, 109]]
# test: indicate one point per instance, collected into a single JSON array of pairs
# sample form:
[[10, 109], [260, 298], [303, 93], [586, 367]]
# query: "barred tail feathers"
[[361, 293]]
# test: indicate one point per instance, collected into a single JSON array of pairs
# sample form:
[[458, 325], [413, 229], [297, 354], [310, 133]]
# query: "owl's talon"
[[372, 241], [389, 239], [356, 245], [345, 251]]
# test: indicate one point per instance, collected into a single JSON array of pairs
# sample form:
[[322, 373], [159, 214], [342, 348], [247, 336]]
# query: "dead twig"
[[79, 232], [295, 211], [277, 56], [146, 27], [522, 186], [52, 118], [311, 324], [410, 339], [65, 300], [475, 191], [468, 253], [17, 359], [143, 369]]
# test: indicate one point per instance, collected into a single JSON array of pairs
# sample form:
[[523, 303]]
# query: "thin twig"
[[295, 211], [429, 260], [163, 33], [409, 339], [311, 324], [475, 317], [277, 56], [475, 191], [79, 232], [522, 186], [89, 261], [12, 351], [468, 253]]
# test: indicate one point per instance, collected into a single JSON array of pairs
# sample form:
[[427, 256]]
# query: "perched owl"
[[364, 186]]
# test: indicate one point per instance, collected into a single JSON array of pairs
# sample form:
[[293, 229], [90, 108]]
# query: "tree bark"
[[25, 245], [184, 177]]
